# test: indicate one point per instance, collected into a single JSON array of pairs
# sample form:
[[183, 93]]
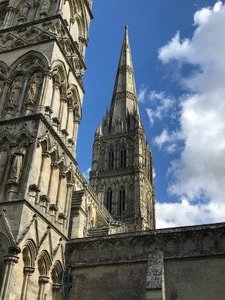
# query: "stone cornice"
[[125, 95], [175, 243], [129, 171]]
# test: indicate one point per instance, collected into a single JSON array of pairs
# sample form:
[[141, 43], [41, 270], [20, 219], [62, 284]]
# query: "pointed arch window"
[[108, 203], [111, 160], [122, 202], [123, 158]]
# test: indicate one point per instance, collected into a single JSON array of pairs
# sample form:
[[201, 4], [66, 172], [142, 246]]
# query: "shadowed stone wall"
[[173, 264]]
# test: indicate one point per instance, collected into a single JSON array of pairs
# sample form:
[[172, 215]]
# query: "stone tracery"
[[23, 89]]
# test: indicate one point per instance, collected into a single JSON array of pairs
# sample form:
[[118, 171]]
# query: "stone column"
[[9, 16], [21, 100], [69, 124], [43, 182], [55, 89], [53, 182], [74, 135], [56, 291], [43, 280], [62, 175], [68, 200], [47, 77], [10, 261], [3, 97], [27, 271]]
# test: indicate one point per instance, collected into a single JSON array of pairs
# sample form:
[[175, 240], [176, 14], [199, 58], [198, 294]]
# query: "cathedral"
[[60, 236]]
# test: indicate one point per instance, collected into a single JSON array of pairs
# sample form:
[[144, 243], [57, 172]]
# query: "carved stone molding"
[[174, 243]]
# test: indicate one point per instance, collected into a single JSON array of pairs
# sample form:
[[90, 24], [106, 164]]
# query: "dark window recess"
[[111, 160], [108, 203], [122, 202], [123, 158]]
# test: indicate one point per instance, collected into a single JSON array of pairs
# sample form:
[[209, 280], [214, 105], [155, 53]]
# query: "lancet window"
[[122, 202], [123, 158], [108, 202], [111, 159]]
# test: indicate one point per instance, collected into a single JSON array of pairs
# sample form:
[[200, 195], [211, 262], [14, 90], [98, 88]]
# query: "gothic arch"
[[44, 263], [84, 17], [75, 102], [54, 155], [30, 252], [69, 176], [25, 83], [44, 145], [23, 138], [59, 74], [30, 62], [4, 246], [56, 272]]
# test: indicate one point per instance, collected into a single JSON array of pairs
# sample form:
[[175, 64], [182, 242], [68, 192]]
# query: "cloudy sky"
[[178, 49]]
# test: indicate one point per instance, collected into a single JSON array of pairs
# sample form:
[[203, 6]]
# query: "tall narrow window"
[[108, 203], [122, 202], [123, 158], [111, 160]]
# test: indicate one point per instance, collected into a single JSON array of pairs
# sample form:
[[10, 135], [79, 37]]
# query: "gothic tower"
[[42, 47], [121, 172]]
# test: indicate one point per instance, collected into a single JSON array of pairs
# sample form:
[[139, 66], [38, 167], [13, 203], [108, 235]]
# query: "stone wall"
[[172, 264]]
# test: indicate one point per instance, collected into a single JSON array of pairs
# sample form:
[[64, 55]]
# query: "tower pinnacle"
[[124, 100]]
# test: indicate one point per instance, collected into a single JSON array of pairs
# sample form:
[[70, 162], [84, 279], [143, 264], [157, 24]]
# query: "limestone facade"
[[42, 48], [61, 238]]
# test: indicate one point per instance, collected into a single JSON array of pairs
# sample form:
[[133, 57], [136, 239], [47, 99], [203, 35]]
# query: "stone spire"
[[121, 173], [124, 100]]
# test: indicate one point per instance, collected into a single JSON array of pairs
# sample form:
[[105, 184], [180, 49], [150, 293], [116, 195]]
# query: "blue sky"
[[176, 47]]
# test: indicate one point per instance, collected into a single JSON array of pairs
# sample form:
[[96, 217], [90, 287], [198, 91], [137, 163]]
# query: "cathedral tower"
[[121, 171], [42, 47]]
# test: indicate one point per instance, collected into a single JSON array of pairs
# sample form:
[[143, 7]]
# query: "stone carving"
[[44, 7], [23, 11], [16, 167], [2, 16], [33, 90], [1, 90], [3, 162], [14, 94]]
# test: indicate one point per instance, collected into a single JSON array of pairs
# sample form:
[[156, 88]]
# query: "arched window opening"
[[123, 158], [29, 255], [122, 202], [56, 276], [108, 203], [44, 264], [111, 160]]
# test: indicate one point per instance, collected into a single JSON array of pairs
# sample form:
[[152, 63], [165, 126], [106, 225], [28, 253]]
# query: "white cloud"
[[163, 138], [161, 105], [184, 213], [142, 94], [176, 47], [168, 141], [199, 172]]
